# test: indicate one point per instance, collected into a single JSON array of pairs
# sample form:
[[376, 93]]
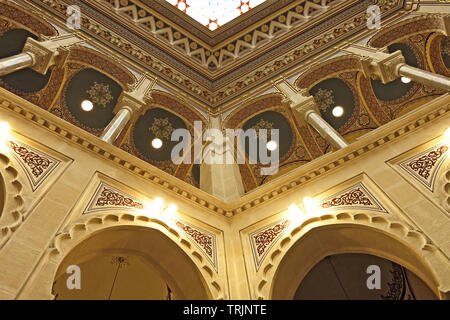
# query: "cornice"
[[292, 181]]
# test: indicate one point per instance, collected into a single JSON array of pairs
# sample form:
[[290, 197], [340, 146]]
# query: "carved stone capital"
[[377, 63], [300, 102], [50, 52], [137, 95]]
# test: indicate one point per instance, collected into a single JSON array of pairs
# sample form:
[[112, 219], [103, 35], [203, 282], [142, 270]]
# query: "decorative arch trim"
[[421, 250], [13, 208], [110, 67], [420, 24], [86, 226], [29, 21]]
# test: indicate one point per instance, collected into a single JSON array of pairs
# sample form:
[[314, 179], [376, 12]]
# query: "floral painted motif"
[[34, 161], [161, 128], [202, 239], [100, 94], [266, 237], [324, 99], [355, 196], [425, 163], [110, 197]]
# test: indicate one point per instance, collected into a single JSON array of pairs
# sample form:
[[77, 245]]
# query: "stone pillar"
[[41, 55], [305, 111], [223, 179], [128, 106], [387, 67]]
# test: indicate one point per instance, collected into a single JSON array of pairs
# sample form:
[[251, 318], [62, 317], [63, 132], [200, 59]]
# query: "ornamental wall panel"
[[425, 167], [357, 194], [104, 194]]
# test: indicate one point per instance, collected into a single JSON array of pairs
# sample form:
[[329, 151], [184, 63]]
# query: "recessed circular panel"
[[331, 93], [271, 120], [98, 88], [156, 124]]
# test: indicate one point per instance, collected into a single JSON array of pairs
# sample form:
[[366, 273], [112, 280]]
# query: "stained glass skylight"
[[215, 13]]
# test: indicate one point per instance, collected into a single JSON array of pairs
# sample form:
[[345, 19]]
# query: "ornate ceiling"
[[147, 35], [217, 67]]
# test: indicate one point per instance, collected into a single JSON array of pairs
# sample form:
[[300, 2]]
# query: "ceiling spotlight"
[[87, 105], [406, 80], [338, 111], [157, 143], [272, 145], [4, 129]]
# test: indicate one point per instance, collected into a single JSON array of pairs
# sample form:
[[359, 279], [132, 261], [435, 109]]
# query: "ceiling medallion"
[[324, 99], [161, 128], [263, 124], [100, 94]]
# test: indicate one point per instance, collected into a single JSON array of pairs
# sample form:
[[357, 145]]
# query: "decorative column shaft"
[[222, 180], [15, 63], [128, 107], [425, 77], [387, 67], [41, 55], [325, 130], [117, 124], [306, 112]]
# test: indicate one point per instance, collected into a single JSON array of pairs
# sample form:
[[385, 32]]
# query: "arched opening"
[[130, 262], [345, 238], [354, 276]]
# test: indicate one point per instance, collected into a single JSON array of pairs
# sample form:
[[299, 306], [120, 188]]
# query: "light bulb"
[[406, 80], [157, 143], [338, 111], [272, 145], [87, 105], [4, 128]]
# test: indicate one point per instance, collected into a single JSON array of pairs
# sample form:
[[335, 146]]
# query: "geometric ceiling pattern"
[[215, 13]]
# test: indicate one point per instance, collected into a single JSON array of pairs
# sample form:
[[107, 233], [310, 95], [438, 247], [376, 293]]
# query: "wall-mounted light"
[[447, 133], [87, 105], [156, 207], [4, 129], [308, 204], [170, 212]]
